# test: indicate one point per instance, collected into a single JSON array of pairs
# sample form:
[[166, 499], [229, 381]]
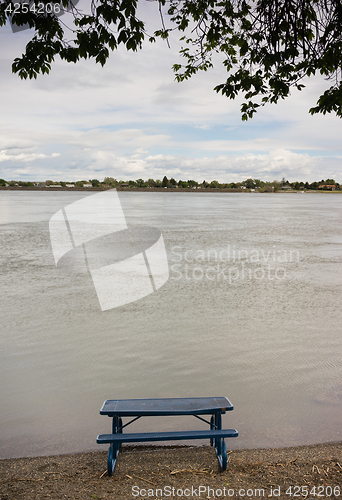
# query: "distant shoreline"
[[161, 190]]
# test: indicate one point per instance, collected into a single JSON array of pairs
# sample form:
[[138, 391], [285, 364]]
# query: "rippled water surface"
[[251, 311]]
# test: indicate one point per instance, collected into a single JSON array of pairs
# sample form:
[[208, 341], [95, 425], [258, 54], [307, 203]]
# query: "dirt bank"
[[184, 472]]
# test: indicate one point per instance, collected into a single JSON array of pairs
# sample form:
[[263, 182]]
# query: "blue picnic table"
[[213, 407]]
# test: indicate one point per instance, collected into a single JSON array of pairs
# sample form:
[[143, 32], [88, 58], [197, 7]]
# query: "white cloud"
[[269, 166], [19, 156]]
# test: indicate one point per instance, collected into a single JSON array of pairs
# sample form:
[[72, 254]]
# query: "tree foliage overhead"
[[267, 46]]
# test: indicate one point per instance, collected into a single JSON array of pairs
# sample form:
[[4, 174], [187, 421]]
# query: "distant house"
[[327, 186], [87, 185], [70, 185]]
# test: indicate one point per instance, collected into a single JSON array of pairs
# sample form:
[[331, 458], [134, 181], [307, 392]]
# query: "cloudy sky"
[[131, 120]]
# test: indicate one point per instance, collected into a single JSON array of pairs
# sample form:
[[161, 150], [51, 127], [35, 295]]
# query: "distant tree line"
[[248, 184], [328, 185]]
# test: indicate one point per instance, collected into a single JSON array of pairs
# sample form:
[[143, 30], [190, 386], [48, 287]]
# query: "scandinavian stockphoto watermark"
[[231, 264], [125, 262], [42, 8]]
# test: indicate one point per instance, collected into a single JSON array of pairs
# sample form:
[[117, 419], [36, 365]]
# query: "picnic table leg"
[[223, 456], [212, 427], [220, 445], [114, 448]]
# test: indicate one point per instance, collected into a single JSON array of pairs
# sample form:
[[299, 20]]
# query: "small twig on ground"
[[143, 479], [26, 479], [198, 471]]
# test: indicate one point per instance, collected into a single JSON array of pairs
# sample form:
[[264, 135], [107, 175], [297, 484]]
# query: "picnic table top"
[[165, 406]]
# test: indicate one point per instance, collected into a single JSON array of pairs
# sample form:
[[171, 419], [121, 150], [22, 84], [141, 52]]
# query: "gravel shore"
[[177, 472]]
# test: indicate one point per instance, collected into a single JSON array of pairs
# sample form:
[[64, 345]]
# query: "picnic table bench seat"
[[141, 437], [138, 408]]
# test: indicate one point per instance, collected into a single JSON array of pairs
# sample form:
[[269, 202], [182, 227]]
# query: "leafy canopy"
[[267, 46]]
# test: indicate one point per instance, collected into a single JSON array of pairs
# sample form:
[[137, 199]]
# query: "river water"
[[251, 311]]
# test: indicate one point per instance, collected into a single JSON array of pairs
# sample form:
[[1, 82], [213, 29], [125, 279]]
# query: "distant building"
[[327, 186]]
